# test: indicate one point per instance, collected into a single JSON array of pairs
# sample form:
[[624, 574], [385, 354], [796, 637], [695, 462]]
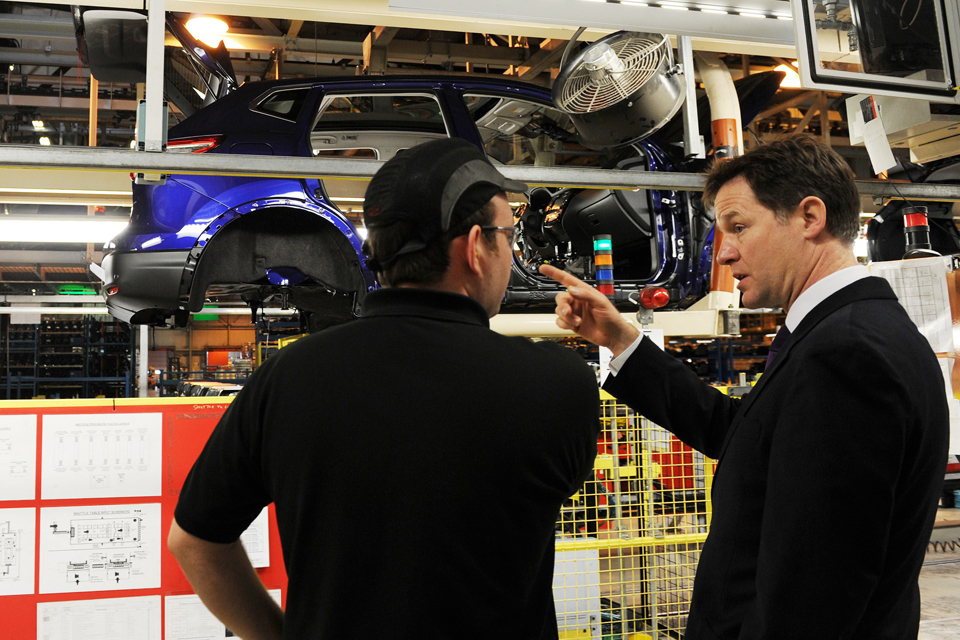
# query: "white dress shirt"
[[804, 304]]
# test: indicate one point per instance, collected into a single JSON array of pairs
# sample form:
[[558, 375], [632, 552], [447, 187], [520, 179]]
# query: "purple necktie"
[[778, 341]]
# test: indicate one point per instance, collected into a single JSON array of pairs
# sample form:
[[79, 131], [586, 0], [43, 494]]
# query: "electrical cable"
[[570, 43], [905, 26]]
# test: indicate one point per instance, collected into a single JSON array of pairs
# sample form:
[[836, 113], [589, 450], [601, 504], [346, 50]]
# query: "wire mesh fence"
[[629, 541]]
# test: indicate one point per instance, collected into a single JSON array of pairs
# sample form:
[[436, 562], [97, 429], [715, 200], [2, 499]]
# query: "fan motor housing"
[[614, 112]]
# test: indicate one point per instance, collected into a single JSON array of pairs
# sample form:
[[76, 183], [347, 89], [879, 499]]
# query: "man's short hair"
[[425, 267], [783, 172]]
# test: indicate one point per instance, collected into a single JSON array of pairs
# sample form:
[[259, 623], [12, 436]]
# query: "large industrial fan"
[[621, 88]]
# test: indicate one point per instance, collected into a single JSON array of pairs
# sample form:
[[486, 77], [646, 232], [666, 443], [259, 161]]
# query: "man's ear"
[[813, 212], [469, 246]]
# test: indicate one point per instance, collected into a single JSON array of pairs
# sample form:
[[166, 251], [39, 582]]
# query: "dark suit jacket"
[[829, 476]]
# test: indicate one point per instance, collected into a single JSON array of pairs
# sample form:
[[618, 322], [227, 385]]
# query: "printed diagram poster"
[[17, 543], [101, 456], [921, 287], [99, 548], [256, 540], [109, 619], [187, 618], [18, 457]]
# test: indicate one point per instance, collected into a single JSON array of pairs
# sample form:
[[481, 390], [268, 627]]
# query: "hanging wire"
[[566, 50]]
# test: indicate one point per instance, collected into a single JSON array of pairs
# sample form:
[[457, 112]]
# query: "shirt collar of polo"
[[424, 303]]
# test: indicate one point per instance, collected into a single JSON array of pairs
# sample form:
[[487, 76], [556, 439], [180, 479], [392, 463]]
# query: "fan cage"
[[641, 58]]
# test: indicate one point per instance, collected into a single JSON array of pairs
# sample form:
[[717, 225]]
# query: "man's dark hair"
[[783, 172], [425, 267]]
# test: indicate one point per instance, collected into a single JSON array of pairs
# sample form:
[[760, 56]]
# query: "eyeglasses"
[[511, 232]]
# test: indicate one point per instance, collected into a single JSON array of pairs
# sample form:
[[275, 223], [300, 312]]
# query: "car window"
[[359, 125], [522, 132], [285, 104]]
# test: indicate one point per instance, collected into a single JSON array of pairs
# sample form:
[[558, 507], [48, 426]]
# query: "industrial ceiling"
[[42, 80]]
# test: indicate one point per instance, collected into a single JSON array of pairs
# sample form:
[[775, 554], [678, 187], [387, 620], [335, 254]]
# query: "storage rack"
[[83, 357], [629, 541]]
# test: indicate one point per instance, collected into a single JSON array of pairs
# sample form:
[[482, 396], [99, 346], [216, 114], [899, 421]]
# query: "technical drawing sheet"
[[18, 539], [99, 548], [187, 618], [101, 455], [256, 540], [18, 457], [921, 287], [108, 619]]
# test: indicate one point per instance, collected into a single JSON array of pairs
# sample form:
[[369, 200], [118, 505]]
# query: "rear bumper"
[[147, 284]]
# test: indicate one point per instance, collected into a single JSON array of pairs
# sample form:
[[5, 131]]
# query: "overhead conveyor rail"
[[127, 161]]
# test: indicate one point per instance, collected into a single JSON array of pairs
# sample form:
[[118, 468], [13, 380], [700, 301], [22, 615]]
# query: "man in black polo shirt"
[[416, 478]]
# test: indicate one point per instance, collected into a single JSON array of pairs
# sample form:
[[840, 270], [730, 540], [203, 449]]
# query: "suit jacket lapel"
[[864, 289]]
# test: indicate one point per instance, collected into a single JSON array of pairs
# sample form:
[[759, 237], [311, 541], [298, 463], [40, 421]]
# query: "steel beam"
[[125, 161]]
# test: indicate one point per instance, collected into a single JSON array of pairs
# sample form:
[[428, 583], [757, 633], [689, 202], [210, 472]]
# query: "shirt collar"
[[424, 303], [820, 291]]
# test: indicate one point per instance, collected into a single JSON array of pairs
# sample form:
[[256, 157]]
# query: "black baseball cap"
[[433, 185]]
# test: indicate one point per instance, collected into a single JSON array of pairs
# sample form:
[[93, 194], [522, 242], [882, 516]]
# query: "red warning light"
[[654, 297]]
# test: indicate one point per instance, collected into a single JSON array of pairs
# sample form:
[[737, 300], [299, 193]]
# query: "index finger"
[[561, 276]]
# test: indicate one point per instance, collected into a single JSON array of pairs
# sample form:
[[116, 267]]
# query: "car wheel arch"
[[241, 244]]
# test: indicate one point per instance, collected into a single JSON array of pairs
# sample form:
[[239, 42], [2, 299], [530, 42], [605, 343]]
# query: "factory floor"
[[940, 588]]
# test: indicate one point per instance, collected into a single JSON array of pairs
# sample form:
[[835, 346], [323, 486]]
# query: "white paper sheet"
[[878, 147], [101, 456], [103, 619], [18, 539], [921, 287], [186, 618], [99, 548], [256, 540], [946, 368], [18, 457]]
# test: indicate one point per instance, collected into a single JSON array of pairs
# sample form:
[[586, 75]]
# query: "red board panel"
[[187, 424]]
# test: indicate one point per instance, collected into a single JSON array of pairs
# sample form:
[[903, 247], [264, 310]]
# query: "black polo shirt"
[[418, 461]]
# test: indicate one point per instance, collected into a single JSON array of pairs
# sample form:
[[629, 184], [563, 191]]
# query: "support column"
[[156, 32], [143, 360]]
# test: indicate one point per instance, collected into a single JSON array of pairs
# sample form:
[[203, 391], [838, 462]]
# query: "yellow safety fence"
[[629, 541]]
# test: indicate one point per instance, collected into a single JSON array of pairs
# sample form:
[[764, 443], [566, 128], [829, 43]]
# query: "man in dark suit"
[[830, 469]]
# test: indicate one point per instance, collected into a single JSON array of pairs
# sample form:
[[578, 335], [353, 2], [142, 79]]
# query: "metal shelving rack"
[[78, 358]]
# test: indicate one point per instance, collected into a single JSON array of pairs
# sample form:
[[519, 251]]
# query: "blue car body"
[[276, 239]]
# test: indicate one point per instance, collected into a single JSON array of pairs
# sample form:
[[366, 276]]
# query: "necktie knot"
[[778, 341]]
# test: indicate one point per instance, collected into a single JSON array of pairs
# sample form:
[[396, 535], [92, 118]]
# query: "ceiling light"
[[747, 14], [675, 7], [38, 124], [44, 141], [207, 30], [792, 79], [59, 229]]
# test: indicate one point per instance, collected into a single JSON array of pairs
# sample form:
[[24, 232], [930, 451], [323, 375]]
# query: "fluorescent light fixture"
[[747, 14], [38, 124], [44, 141], [345, 199], [60, 229], [675, 7], [792, 79], [636, 4], [79, 192], [207, 30], [716, 11]]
